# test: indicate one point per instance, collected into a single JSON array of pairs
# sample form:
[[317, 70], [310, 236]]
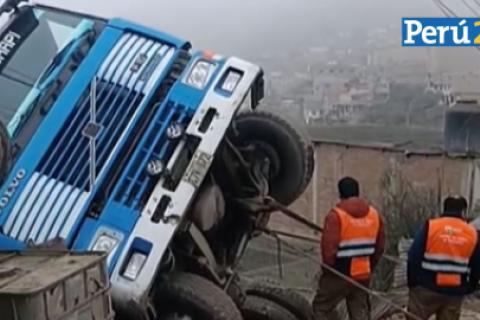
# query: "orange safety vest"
[[358, 238], [450, 245]]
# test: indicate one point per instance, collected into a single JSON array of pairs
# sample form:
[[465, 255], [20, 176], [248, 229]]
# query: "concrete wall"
[[442, 174]]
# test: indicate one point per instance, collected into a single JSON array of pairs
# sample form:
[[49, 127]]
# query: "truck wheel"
[[5, 152], [186, 296], [291, 300], [256, 308], [287, 149]]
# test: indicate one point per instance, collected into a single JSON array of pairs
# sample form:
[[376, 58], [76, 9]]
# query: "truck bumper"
[[126, 292]]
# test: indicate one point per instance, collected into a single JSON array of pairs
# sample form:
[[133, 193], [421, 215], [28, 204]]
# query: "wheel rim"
[[266, 151]]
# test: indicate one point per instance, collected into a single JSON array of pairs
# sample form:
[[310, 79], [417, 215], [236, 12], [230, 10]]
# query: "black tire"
[[5, 152], [287, 148], [291, 300], [186, 294], [257, 308]]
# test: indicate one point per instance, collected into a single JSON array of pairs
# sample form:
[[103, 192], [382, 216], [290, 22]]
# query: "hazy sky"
[[242, 26]]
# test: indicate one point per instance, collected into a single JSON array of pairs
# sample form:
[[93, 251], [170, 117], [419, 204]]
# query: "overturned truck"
[[116, 137]]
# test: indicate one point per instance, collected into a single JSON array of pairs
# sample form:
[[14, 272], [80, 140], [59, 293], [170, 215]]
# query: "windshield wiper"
[[48, 85], [68, 49], [56, 61]]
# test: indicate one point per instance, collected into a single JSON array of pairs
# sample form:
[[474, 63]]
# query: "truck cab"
[[109, 130]]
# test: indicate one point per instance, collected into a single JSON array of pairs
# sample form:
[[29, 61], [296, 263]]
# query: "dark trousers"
[[425, 303], [331, 291]]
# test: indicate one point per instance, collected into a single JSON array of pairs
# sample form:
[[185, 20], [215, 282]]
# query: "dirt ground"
[[261, 260]]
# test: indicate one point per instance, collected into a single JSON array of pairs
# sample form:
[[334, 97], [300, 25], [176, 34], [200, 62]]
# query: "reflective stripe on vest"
[[358, 236], [444, 267], [349, 253], [450, 244]]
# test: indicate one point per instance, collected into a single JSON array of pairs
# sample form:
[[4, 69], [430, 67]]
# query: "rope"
[[393, 259], [279, 256], [373, 293], [271, 203]]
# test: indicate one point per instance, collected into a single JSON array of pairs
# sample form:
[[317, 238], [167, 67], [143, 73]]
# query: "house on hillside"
[[455, 86]]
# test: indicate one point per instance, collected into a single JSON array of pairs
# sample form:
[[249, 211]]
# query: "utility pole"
[[408, 117]]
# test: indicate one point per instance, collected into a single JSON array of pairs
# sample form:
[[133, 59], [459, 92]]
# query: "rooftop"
[[402, 139]]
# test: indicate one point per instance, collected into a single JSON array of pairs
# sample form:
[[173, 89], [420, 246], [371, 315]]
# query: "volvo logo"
[[11, 189]]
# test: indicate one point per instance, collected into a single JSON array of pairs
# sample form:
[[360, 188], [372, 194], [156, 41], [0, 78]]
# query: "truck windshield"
[[32, 57]]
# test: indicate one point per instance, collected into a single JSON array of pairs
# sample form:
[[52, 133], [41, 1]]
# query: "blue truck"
[[116, 137]]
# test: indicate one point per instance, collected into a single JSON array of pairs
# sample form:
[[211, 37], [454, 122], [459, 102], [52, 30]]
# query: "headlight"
[[200, 74], [105, 243], [134, 266], [231, 81]]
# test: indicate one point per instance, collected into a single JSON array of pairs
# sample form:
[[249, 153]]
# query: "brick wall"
[[333, 161]]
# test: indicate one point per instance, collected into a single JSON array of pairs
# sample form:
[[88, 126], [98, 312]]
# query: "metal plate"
[[198, 168]]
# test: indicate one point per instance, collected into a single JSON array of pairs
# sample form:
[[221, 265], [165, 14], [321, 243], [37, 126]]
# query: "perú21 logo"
[[441, 32]]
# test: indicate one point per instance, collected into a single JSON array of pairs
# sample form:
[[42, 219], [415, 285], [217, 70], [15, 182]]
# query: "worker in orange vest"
[[443, 264], [352, 243]]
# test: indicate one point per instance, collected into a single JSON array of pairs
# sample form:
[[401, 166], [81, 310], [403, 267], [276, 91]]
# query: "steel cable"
[[373, 293], [391, 258], [471, 8]]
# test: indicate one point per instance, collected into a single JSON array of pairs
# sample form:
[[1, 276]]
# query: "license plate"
[[198, 168]]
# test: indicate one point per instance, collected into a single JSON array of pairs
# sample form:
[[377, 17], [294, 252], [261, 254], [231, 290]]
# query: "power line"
[[477, 2], [448, 12], [469, 6], [444, 8]]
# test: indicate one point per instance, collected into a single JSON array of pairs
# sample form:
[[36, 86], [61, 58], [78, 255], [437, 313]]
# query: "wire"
[[279, 256], [450, 13], [373, 293], [444, 8], [277, 233], [475, 12], [293, 215]]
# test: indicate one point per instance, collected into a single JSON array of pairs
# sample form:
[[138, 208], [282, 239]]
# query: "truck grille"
[[155, 145], [56, 193]]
